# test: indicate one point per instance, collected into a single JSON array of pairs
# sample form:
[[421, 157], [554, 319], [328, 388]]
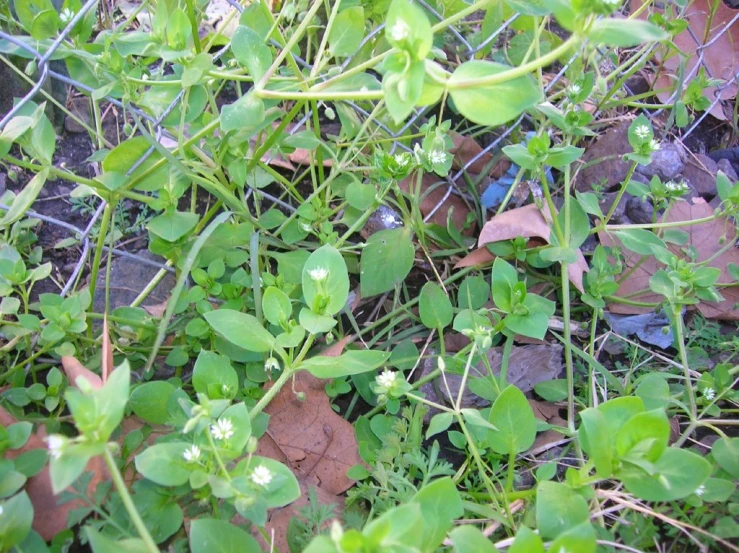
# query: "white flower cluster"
[[400, 31], [192, 454], [387, 379], [223, 429], [318, 274], [642, 132], [261, 476], [676, 187]]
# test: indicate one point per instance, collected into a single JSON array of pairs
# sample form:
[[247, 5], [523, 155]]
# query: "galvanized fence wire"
[[414, 122]]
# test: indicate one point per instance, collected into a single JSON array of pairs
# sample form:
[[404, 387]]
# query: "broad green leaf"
[[124, 156], [559, 157], [644, 435], [214, 376], [164, 464], [640, 241], [434, 306], [276, 306], [440, 505], [679, 473], [529, 7], [726, 453], [315, 324], [251, 51], [505, 278], [469, 539], [149, 401], [439, 423], [526, 541], [403, 89], [173, 225], [247, 111], [220, 536], [347, 31], [654, 391], [473, 293], [16, 520], [579, 539], [618, 410], [512, 415], [325, 281], [625, 32], [408, 28], [241, 329], [558, 508], [386, 261], [510, 98], [350, 362], [24, 200], [552, 390], [599, 442]]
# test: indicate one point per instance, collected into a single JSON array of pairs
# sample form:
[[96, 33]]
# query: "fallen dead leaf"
[[316, 443], [156, 310], [720, 57], [74, 370], [707, 239], [527, 221]]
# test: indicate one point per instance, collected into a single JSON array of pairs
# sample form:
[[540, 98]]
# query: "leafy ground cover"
[[369, 276]]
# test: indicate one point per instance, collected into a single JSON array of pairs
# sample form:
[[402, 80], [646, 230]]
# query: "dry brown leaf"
[[466, 148], [317, 444], [434, 197], [74, 369], [49, 518], [707, 239], [720, 57], [156, 310], [527, 221]]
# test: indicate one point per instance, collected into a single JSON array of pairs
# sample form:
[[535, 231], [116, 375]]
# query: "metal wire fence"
[[467, 50]]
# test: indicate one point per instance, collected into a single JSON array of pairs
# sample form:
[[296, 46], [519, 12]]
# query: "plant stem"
[[679, 336], [272, 392], [128, 503]]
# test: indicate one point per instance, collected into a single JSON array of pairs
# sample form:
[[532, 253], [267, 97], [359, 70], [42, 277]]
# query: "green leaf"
[[597, 441], [408, 28], [149, 401], [241, 329], [360, 196], [284, 487], [726, 453], [24, 200], [654, 391], [439, 423], [403, 89], [173, 225], [440, 506], [640, 241], [315, 324], [679, 473], [625, 32], [124, 156], [276, 306], [164, 464], [214, 376], [325, 281], [529, 7], [220, 536], [251, 51], [512, 415], [386, 261], [247, 111], [510, 98], [552, 390], [559, 157], [579, 539], [505, 278], [645, 436], [469, 539], [526, 541], [619, 410], [16, 520], [558, 508], [350, 362], [434, 306], [473, 293], [347, 31]]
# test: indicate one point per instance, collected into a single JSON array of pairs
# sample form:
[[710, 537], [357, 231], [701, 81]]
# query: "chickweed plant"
[[259, 154]]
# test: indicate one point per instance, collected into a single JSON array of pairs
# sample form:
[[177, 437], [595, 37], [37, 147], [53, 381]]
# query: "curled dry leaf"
[[50, 518], [707, 239], [527, 221], [74, 370], [316, 443], [720, 56]]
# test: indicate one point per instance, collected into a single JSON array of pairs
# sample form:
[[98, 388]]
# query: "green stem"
[[272, 392], [620, 195], [680, 337], [128, 503]]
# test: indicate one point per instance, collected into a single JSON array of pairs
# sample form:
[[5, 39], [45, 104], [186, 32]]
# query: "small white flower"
[[222, 430], [364, 90], [401, 159], [261, 476], [66, 15], [192, 454], [319, 275], [574, 88], [613, 2], [144, 77], [387, 378], [56, 445], [1, 510], [672, 186], [642, 132], [437, 156], [700, 491], [305, 226], [654, 145], [440, 364], [709, 394], [271, 364], [399, 31]]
